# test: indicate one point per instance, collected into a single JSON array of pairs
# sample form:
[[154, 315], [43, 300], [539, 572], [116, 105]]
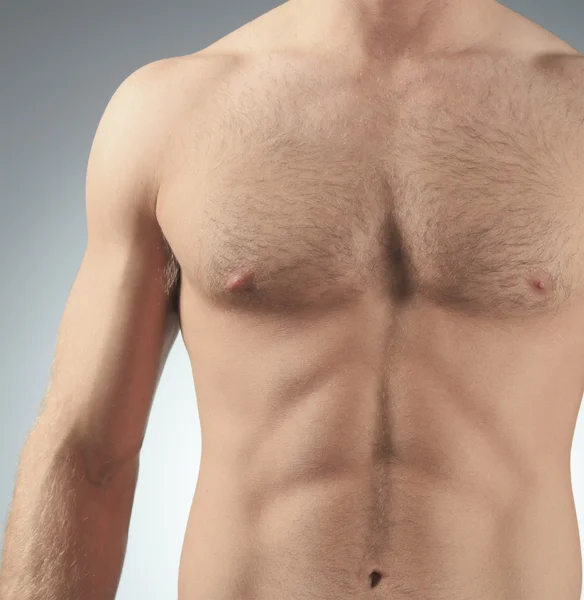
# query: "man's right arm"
[[67, 530]]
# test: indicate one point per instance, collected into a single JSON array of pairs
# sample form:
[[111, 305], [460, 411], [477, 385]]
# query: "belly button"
[[374, 578]]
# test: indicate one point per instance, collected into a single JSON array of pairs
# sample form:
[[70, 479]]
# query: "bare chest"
[[444, 188]]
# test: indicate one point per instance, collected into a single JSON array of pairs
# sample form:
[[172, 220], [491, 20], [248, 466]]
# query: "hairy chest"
[[455, 192]]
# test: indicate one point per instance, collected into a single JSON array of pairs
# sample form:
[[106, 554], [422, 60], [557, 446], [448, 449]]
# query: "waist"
[[407, 534]]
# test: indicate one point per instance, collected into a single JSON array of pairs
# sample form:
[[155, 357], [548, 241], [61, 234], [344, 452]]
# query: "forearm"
[[66, 535]]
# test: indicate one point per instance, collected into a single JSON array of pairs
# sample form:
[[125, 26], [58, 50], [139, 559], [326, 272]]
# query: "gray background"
[[60, 62]]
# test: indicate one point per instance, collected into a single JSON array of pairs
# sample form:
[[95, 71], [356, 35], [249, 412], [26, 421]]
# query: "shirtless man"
[[367, 217]]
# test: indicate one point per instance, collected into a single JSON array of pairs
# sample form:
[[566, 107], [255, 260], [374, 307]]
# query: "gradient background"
[[60, 62]]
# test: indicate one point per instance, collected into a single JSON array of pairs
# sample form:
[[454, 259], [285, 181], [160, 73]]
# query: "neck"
[[407, 27], [411, 10]]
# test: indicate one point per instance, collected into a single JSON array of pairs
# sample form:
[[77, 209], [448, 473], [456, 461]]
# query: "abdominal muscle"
[[427, 459]]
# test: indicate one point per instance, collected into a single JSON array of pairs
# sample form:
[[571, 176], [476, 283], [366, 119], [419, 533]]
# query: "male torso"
[[382, 295]]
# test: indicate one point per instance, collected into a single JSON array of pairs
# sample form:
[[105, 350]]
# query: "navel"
[[374, 579], [241, 281]]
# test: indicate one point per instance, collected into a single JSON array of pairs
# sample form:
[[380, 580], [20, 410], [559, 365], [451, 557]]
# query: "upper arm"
[[117, 326]]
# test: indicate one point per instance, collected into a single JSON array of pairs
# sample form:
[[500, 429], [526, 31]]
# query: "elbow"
[[101, 468]]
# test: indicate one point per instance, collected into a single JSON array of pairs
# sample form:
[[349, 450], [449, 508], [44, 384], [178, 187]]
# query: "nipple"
[[374, 579], [541, 282], [241, 282]]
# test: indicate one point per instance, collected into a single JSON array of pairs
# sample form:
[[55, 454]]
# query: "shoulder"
[[151, 104], [564, 68], [168, 78], [562, 76], [164, 88], [567, 73], [572, 68]]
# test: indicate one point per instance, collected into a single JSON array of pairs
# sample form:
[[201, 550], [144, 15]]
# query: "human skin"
[[382, 296]]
